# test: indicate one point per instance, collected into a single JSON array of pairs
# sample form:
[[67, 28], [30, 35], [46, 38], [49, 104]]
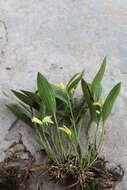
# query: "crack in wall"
[[3, 36]]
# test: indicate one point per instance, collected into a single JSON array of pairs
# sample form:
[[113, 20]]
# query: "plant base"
[[98, 176]]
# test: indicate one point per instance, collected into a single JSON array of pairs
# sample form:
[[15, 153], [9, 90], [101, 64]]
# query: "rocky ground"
[[60, 38]]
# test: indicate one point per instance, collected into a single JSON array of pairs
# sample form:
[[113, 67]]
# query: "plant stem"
[[101, 139], [73, 119], [59, 138], [88, 127], [95, 140], [47, 147], [77, 141]]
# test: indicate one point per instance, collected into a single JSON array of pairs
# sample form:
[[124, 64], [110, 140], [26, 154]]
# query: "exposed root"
[[18, 169], [98, 176]]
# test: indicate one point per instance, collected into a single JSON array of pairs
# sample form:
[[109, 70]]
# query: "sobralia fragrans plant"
[[58, 118]]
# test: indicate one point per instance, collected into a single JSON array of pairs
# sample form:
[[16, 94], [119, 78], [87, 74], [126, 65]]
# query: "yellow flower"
[[98, 112], [60, 86], [66, 130], [46, 119], [36, 120], [97, 104], [100, 104]]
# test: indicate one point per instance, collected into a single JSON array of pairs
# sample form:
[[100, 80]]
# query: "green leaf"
[[79, 125], [42, 111], [73, 82], [98, 92], [28, 99], [89, 99], [32, 95], [20, 115], [22, 97], [46, 92], [96, 84], [25, 107], [60, 94], [110, 100]]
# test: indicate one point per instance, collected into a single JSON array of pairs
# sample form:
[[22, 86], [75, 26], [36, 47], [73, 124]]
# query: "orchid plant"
[[58, 118]]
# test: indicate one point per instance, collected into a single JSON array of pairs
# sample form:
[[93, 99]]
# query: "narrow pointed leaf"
[[73, 83], [20, 115], [22, 97], [71, 80], [46, 93], [32, 95], [98, 92], [27, 99], [79, 125], [110, 100], [96, 84], [60, 94], [25, 107], [89, 99]]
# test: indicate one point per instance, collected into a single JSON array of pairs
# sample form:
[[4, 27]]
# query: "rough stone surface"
[[59, 38]]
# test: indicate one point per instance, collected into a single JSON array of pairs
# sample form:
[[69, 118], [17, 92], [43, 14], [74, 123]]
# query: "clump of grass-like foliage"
[[58, 117]]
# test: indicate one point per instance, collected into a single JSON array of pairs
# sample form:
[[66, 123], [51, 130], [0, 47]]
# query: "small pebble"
[[8, 68]]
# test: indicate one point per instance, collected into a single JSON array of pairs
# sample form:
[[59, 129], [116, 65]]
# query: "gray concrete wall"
[[60, 38]]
